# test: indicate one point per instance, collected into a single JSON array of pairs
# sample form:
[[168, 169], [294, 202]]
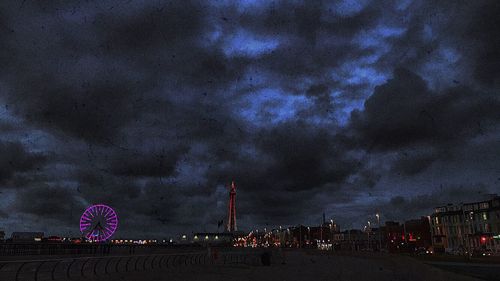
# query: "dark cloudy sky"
[[153, 107]]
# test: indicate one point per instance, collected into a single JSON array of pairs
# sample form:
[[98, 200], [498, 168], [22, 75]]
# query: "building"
[[26, 237], [320, 236], [2, 235], [393, 236], [467, 227], [417, 234], [356, 240], [300, 236]]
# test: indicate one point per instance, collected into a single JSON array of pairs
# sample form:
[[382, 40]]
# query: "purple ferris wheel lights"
[[98, 223]]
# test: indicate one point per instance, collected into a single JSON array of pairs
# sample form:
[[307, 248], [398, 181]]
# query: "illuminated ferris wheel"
[[98, 223]]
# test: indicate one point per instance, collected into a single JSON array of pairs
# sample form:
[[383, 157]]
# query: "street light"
[[369, 229], [308, 235], [379, 232]]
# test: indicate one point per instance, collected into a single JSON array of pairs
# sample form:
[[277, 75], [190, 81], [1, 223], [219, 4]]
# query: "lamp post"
[[379, 233], [369, 229], [349, 236], [472, 231], [331, 236], [281, 237], [367, 235], [300, 236], [308, 235]]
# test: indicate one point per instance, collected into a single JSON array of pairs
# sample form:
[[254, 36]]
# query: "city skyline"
[[346, 108]]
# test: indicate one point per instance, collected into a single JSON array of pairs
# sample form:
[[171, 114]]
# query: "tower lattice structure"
[[231, 222]]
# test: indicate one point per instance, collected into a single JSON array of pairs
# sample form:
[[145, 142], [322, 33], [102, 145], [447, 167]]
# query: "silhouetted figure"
[[215, 254], [265, 258], [282, 255]]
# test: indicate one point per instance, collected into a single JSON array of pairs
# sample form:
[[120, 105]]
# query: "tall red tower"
[[231, 222]]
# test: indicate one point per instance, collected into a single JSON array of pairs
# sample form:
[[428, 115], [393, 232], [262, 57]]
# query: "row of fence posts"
[[54, 269], [9, 249]]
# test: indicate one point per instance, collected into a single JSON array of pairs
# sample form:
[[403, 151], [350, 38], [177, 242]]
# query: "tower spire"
[[231, 222]]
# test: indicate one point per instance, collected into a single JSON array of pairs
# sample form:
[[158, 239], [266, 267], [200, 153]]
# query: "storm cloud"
[[342, 107]]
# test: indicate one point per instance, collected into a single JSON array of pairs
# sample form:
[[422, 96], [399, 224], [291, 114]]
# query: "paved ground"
[[307, 266], [482, 270], [298, 265]]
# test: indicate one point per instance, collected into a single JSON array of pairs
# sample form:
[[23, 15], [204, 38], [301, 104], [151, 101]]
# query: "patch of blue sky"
[[346, 8], [256, 75], [211, 37], [16, 130], [376, 37], [242, 5], [271, 106], [6, 115], [38, 140], [245, 43], [442, 68], [428, 32], [403, 4], [191, 173], [372, 58], [354, 76], [254, 79], [343, 113], [449, 55], [357, 75], [389, 31]]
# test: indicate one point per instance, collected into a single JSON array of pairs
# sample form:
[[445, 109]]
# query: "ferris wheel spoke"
[[108, 211], [85, 220], [86, 216], [113, 215]]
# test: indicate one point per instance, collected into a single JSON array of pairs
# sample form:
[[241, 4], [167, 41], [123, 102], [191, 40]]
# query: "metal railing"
[[30, 249], [85, 267]]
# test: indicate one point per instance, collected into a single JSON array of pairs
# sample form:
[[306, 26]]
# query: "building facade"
[[25, 237], [417, 234], [467, 227]]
